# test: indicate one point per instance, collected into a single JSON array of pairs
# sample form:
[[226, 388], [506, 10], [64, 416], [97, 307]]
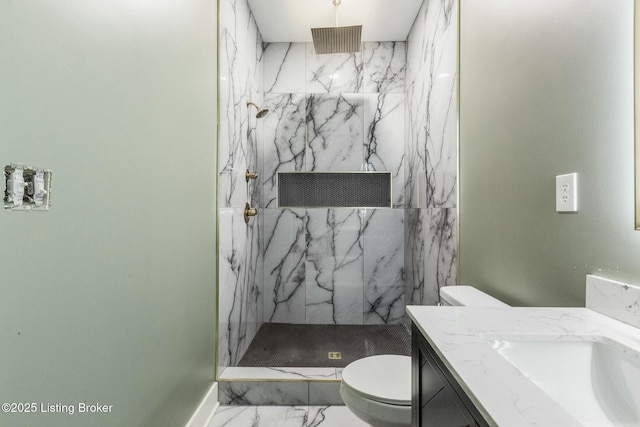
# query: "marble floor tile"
[[260, 416], [285, 416], [333, 416]]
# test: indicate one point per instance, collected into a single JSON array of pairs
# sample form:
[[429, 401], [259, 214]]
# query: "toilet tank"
[[468, 296]]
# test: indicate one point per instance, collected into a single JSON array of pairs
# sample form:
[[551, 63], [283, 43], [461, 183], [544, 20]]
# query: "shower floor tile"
[[294, 345]]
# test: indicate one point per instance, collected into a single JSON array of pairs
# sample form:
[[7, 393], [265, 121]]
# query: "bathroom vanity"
[[436, 397], [524, 367]]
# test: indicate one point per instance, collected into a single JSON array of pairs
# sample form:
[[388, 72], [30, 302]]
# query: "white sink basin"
[[595, 379]]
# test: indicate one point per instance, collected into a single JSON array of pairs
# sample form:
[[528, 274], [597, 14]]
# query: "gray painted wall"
[[546, 89], [109, 297]]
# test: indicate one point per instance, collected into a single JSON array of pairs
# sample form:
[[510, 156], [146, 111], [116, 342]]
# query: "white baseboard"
[[207, 408]]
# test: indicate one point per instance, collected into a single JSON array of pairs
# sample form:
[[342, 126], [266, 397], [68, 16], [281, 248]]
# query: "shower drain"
[[334, 355]]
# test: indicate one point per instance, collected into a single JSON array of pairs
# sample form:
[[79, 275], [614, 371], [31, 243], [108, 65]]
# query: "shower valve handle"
[[250, 175], [249, 212]]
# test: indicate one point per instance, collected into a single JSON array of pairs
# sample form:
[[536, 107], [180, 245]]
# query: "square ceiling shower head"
[[337, 39]]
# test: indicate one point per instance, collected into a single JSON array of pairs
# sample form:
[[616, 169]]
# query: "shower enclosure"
[[328, 284]]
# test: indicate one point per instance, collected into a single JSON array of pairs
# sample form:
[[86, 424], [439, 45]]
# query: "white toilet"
[[377, 389]]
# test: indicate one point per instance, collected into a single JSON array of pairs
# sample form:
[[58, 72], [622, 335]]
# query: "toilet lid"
[[385, 378]]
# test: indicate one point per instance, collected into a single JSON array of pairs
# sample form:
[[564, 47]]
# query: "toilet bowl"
[[377, 389]]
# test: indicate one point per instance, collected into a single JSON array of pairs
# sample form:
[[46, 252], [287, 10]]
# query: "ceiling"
[[292, 20]]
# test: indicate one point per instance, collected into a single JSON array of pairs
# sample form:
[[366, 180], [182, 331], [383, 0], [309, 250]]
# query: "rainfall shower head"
[[337, 39], [261, 111]]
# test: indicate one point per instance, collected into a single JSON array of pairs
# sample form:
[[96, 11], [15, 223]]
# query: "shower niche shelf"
[[334, 189]]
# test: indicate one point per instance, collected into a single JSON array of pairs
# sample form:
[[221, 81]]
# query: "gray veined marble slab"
[[321, 264], [334, 126], [431, 156], [255, 158], [334, 270], [284, 68], [384, 67], [415, 255], [240, 81], [239, 293], [284, 265], [416, 116], [440, 246], [284, 140], [241, 134], [384, 118], [433, 22], [339, 73], [430, 253], [239, 26], [230, 260], [383, 266], [232, 150], [379, 69]]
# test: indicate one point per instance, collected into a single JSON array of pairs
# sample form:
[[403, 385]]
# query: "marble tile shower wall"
[[240, 252], [431, 153], [334, 113]]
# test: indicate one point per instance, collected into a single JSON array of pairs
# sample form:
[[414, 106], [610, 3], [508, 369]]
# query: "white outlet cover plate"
[[567, 193]]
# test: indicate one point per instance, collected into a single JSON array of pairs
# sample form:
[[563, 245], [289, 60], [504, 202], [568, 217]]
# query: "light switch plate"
[[567, 193]]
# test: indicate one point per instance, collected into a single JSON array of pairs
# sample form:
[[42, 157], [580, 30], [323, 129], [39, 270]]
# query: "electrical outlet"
[[567, 193]]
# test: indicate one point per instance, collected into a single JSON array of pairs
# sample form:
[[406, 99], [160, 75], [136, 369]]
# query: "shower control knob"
[[249, 212], [250, 175]]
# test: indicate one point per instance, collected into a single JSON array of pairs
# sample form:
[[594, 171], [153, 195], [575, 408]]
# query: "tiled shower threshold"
[[280, 374]]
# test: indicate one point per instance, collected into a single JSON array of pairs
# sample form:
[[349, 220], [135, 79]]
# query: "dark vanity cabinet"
[[436, 397]]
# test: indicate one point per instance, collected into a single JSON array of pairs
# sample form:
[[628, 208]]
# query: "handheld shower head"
[[261, 111]]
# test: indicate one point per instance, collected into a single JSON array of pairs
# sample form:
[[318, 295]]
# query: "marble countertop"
[[464, 337]]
